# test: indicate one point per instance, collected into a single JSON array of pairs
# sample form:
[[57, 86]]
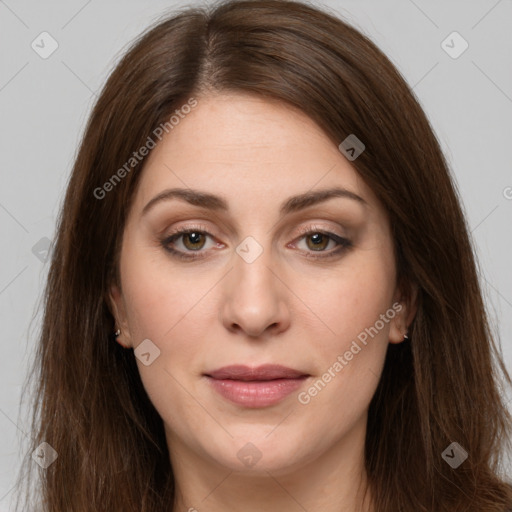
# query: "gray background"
[[45, 102]]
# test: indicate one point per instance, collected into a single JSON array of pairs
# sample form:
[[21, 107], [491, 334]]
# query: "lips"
[[258, 387], [264, 372]]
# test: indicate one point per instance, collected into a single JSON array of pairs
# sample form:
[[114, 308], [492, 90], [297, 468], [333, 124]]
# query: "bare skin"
[[285, 307]]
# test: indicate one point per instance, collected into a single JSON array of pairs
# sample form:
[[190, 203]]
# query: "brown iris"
[[319, 240], [194, 237]]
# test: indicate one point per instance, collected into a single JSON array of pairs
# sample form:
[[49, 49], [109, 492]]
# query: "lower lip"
[[255, 393]]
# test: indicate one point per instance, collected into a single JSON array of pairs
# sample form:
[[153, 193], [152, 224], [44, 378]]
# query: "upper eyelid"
[[302, 231], [312, 228]]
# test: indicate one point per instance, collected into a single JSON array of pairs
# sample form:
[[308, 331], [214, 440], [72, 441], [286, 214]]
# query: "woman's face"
[[266, 276]]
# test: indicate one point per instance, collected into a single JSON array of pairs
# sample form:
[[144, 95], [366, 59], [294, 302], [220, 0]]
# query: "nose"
[[255, 297]]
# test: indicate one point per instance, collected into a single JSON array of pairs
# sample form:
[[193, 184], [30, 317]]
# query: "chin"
[[258, 452]]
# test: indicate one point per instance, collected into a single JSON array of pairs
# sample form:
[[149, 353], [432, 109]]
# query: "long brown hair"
[[440, 387]]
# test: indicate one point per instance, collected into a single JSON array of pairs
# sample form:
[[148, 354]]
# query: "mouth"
[[258, 387]]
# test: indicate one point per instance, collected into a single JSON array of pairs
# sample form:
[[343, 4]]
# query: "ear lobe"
[[117, 307]]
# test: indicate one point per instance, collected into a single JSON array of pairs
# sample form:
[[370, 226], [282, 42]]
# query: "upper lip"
[[264, 372]]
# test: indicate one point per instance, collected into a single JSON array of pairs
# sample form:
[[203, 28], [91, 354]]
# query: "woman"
[[262, 294]]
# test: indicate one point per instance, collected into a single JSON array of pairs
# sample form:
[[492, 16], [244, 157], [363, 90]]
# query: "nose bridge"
[[254, 300], [254, 264]]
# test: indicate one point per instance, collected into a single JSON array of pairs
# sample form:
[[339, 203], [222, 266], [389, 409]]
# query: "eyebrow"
[[217, 203]]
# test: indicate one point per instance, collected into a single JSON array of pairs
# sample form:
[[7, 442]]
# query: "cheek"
[[350, 361], [173, 308], [157, 296], [351, 303], [171, 313], [355, 308]]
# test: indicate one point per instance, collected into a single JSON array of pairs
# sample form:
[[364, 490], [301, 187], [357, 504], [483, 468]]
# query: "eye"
[[317, 240], [192, 239]]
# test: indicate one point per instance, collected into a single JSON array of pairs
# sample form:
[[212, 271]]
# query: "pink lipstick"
[[255, 387]]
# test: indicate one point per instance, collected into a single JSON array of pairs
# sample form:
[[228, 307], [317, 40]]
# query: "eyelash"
[[343, 243]]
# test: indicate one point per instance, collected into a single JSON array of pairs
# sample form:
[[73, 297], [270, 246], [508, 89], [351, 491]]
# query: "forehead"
[[251, 150]]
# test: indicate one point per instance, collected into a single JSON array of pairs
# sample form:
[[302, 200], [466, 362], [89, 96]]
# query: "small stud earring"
[[406, 337], [116, 336]]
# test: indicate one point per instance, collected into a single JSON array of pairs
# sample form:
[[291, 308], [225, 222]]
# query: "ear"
[[118, 309], [405, 306]]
